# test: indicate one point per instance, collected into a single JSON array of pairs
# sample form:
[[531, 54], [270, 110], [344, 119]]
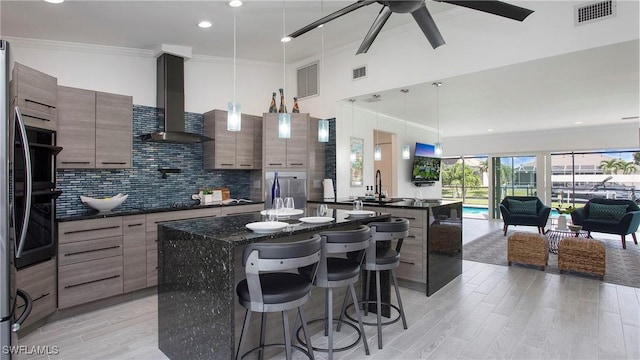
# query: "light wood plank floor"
[[489, 312]]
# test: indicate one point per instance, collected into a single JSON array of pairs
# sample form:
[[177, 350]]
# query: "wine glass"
[[289, 204], [357, 205], [278, 206], [321, 210]]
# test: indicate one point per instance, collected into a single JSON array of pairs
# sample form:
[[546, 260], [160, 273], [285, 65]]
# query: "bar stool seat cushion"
[[338, 269], [278, 287]]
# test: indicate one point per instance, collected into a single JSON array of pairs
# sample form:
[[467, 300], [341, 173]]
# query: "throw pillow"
[[525, 207], [606, 212]]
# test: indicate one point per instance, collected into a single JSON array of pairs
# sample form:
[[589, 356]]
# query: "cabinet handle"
[[407, 262], [297, 164], [96, 229], [36, 299], [411, 236], [76, 162], [92, 250], [113, 162], [275, 163], [92, 281], [132, 225], [226, 164], [39, 103], [36, 117], [245, 165]]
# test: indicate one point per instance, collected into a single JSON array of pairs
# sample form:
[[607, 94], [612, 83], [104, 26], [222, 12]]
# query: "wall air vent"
[[359, 73], [594, 11], [307, 80]]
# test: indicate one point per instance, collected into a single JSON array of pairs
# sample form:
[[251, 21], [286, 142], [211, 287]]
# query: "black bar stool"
[[269, 288], [379, 259], [334, 272]]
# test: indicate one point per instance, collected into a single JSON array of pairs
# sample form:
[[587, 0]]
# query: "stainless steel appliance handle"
[[28, 304], [28, 183]]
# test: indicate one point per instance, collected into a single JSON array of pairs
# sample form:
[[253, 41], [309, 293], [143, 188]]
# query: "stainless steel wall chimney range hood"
[[170, 103]]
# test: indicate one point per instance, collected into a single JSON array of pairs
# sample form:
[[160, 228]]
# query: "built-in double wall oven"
[[35, 193]]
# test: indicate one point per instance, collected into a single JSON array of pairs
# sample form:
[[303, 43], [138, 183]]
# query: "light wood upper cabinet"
[[114, 130], [76, 128], [230, 149], [95, 129], [35, 93], [289, 153]]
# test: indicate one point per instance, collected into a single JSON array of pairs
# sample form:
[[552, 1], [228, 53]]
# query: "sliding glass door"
[[512, 176]]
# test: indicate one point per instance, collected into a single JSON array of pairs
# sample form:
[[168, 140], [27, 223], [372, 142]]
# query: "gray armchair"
[[610, 216], [524, 210]]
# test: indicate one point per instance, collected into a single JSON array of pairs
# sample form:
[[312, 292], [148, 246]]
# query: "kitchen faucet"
[[379, 184]]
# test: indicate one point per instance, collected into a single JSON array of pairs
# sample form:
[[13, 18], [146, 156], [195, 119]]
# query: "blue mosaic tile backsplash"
[[143, 182]]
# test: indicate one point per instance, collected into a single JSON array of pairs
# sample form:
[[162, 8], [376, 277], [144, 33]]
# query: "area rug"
[[622, 266]]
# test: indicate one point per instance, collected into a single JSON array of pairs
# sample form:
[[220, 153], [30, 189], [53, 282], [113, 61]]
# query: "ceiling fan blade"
[[428, 26], [494, 7], [332, 16], [377, 25]]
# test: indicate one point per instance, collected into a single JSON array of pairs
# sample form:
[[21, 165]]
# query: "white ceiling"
[[596, 86]]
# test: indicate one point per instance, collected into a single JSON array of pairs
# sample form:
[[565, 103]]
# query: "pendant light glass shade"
[[438, 145], [406, 152], [323, 131], [438, 149], [233, 117], [284, 125], [377, 153]]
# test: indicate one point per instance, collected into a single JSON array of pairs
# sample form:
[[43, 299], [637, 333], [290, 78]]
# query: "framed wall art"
[[356, 161]]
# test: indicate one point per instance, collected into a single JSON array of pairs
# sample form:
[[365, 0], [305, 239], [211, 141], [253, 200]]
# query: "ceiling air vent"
[[594, 11], [307, 80], [359, 73]]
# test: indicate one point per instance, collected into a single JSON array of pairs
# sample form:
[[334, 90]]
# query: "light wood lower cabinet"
[[135, 252], [39, 281], [243, 209], [87, 281]]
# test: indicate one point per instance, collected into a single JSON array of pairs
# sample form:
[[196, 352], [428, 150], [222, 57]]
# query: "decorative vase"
[[562, 222], [275, 188], [295, 109], [272, 105], [283, 107]]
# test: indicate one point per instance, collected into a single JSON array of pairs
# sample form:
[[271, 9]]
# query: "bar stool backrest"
[[341, 242], [395, 229], [277, 257]]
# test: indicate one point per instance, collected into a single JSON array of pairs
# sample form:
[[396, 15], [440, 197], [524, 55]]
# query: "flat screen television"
[[426, 166]]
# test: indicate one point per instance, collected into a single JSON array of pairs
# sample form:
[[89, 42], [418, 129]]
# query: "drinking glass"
[[357, 205], [278, 206], [322, 210], [289, 205]]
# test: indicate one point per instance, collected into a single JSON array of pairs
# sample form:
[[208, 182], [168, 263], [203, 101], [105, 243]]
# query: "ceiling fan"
[[419, 11]]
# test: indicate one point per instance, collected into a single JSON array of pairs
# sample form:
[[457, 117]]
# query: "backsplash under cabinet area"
[[143, 182]]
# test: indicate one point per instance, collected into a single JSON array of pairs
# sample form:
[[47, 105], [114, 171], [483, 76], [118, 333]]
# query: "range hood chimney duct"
[[170, 103]]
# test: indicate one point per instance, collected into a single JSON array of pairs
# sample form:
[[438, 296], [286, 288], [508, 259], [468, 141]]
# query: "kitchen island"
[[200, 264]]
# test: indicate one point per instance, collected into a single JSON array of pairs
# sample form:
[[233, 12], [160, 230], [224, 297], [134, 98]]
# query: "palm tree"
[[628, 168], [461, 178], [612, 166], [636, 158]]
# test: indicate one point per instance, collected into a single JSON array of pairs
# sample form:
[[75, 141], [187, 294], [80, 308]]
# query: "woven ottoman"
[[528, 248], [581, 255]]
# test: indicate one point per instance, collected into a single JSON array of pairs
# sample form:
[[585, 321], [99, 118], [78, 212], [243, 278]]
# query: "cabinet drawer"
[[152, 240], [152, 267], [89, 229], [134, 225], [415, 238], [134, 252], [415, 217], [410, 267], [80, 251], [39, 281], [88, 281]]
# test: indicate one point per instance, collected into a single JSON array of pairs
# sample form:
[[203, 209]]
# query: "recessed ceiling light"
[[54, 1], [235, 3], [205, 24], [490, 130], [286, 39], [578, 122]]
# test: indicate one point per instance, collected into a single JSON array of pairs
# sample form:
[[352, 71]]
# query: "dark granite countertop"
[[87, 213], [404, 203], [232, 228]]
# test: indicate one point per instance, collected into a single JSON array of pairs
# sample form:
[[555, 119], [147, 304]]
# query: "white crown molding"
[[77, 47]]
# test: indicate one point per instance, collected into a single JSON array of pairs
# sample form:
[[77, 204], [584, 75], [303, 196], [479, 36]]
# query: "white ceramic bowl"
[[105, 204], [575, 228]]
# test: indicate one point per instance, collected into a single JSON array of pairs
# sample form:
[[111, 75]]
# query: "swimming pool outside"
[[483, 212]]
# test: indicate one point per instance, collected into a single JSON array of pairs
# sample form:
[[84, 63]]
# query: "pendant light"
[[438, 145], [323, 124], [352, 156], [234, 116], [406, 149], [284, 118], [377, 150]]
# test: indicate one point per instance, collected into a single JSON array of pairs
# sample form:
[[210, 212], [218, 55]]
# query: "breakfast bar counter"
[[199, 265]]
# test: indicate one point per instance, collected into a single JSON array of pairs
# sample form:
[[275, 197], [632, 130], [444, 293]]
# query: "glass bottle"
[[272, 105], [283, 107], [295, 109], [275, 188]]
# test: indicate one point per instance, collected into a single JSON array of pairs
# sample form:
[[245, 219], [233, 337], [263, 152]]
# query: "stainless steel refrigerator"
[[12, 235], [293, 184]]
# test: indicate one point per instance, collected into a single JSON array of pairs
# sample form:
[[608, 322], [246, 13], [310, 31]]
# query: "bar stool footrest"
[[350, 346], [367, 302], [304, 351]]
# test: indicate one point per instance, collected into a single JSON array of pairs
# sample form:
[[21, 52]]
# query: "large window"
[[465, 179], [513, 176], [577, 177]]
